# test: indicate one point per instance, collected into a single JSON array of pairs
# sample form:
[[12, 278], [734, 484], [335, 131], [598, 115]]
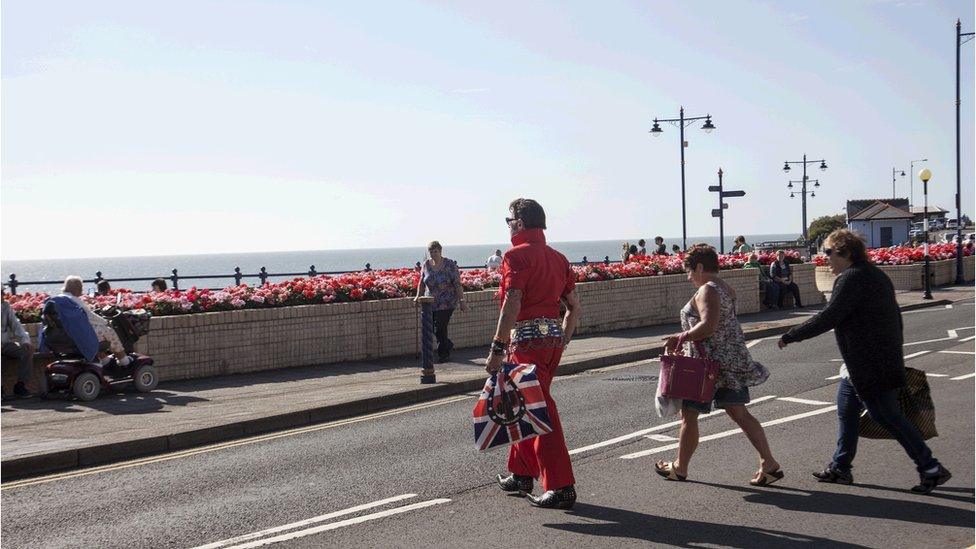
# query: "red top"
[[543, 274]]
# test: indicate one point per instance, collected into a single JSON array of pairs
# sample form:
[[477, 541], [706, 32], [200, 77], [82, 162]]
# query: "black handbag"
[[915, 401]]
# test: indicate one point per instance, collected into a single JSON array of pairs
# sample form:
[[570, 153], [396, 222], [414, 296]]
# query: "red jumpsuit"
[[544, 276]]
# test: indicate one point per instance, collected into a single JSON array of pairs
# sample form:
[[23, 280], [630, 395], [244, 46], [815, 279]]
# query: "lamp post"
[[681, 122], [911, 170], [925, 174], [894, 172], [803, 191], [959, 42]]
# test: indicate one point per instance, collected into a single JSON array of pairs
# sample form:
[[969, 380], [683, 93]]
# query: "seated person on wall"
[[740, 246], [782, 276], [73, 288], [103, 288], [159, 285], [769, 294], [17, 345]]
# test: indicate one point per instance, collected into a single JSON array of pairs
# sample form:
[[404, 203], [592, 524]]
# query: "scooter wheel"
[[86, 386], [145, 378]]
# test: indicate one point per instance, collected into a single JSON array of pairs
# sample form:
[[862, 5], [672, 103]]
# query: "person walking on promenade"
[[866, 320], [440, 278], [710, 318], [535, 280]]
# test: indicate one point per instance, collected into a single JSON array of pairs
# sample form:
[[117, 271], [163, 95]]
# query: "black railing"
[[263, 275]]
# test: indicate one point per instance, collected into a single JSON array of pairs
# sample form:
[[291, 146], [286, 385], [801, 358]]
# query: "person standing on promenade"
[[535, 280], [740, 246], [440, 278], [642, 247], [494, 261], [864, 314], [710, 318], [660, 248]]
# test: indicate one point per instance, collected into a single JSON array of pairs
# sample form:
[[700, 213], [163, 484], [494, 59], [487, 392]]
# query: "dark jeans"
[[24, 356], [780, 290], [884, 409], [444, 343]]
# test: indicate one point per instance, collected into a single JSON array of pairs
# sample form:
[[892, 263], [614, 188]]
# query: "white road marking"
[[936, 375], [949, 306], [662, 427], [960, 378], [837, 360], [804, 401], [730, 432], [958, 352], [913, 355], [661, 438], [754, 342], [306, 522], [952, 334], [965, 339], [832, 377], [341, 523]]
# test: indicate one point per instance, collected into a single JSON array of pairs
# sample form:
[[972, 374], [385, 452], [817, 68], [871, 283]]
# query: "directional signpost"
[[722, 206]]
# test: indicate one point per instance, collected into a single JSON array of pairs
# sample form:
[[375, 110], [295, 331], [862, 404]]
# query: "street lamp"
[[925, 174], [911, 170], [894, 172], [681, 122], [959, 42], [803, 190]]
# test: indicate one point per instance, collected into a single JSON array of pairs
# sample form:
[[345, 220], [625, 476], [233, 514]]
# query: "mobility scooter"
[[72, 373]]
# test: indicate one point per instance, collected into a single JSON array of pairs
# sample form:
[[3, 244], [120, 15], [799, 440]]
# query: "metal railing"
[[263, 275]]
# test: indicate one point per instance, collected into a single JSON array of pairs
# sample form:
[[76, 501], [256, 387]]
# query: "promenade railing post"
[[237, 276], [427, 374], [175, 279], [311, 270], [13, 284], [263, 275]]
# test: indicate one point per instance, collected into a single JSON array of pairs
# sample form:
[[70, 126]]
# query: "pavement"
[[410, 476], [39, 437]]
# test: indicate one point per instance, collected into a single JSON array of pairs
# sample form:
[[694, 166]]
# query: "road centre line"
[[962, 377], [342, 523], [662, 427], [730, 432], [306, 522], [224, 445], [965, 339], [804, 401], [936, 375], [958, 352]]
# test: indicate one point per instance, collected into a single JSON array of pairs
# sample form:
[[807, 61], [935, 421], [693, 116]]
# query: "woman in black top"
[[866, 320]]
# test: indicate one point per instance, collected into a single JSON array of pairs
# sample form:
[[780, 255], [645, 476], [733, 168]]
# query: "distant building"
[[935, 212], [882, 222]]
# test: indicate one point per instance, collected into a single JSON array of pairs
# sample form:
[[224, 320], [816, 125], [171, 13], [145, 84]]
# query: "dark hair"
[[641, 242], [103, 286], [434, 244], [659, 238], [847, 244], [704, 255], [632, 250], [676, 248], [740, 238], [159, 285], [529, 212]]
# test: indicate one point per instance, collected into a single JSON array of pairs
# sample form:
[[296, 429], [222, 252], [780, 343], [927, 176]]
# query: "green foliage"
[[822, 226]]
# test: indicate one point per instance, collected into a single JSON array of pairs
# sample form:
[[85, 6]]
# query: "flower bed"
[[904, 255], [349, 287]]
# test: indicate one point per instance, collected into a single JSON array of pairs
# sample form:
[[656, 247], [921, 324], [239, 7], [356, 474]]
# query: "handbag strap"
[[698, 346]]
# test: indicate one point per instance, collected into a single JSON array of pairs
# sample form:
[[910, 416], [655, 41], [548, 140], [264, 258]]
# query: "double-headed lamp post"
[[681, 122], [925, 174], [803, 189]]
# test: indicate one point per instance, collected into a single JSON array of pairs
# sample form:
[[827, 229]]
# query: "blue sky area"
[[135, 128]]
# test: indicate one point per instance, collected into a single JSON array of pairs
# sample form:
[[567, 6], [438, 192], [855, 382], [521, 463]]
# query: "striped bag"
[[511, 408], [915, 401]]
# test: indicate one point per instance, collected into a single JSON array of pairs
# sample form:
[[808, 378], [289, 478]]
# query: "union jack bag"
[[511, 408]]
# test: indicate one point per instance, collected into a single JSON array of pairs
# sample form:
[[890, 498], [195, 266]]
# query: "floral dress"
[[442, 283], [727, 345]]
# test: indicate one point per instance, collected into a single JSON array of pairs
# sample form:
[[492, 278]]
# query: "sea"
[[190, 267]]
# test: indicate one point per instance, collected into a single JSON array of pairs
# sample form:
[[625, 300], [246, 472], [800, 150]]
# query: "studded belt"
[[536, 328]]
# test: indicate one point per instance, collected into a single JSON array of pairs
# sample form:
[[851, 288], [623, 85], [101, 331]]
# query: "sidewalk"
[[44, 436]]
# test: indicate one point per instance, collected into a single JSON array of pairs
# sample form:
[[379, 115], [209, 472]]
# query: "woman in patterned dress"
[[709, 318], [441, 279]]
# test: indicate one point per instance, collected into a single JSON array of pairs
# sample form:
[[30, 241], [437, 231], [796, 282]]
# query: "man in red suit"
[[535, 280]]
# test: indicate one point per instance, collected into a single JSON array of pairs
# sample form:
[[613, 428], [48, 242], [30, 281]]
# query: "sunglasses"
[[508, 220], [828, 251], [433, 250]]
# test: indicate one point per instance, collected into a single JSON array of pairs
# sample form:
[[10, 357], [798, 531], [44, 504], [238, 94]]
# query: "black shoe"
[[836, 476], [515, 483], [929, 482], [443, 358], [21, 391], [564, 498]]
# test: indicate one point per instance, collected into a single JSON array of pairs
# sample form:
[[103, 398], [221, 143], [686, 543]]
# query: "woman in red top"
[[535, 280]]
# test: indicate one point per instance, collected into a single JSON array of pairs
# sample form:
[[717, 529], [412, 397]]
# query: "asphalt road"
[[411, 478]]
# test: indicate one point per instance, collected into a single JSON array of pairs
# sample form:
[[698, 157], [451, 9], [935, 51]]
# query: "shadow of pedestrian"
[[111, 402], [835, 503], [619, 523]]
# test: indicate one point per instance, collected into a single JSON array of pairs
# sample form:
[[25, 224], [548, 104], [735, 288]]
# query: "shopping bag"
[[511, 408], [915, 401], [689, 378]]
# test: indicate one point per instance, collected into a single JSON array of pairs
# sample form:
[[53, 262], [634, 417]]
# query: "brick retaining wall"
[[910, 277]]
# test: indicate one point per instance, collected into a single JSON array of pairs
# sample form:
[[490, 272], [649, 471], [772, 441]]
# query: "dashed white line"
[[962, 377], [936, 375], [913, 355], [661, 438], [965, 339], [804, 401], [958, 352], [730, 432]]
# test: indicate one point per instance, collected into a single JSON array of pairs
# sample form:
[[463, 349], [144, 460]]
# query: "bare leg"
[[687, 440], [756, 435]]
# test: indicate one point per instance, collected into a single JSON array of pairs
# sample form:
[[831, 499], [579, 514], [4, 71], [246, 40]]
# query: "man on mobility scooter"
[[78, 336]]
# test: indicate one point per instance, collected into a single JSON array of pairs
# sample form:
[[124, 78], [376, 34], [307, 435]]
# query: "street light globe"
[[656, 130], [925, 174], [786, 167], [708, 126], [823, 166]]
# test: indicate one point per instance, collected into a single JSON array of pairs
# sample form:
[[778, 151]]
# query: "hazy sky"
[[134, 128]]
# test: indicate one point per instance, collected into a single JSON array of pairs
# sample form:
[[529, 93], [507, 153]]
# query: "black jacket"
[[775, 271], [866, 320]]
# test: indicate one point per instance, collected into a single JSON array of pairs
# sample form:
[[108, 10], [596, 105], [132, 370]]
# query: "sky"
[[136, 128]]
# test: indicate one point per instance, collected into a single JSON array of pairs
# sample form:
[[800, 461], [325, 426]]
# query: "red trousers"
[[545, 457]]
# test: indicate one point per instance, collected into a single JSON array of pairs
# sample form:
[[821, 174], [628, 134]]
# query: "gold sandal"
[[765, 479], [667, 471]]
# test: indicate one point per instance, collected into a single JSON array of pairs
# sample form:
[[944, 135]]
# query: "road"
[[411, 478]]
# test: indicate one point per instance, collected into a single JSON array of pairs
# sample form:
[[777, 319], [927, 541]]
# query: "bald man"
[[73, 288]]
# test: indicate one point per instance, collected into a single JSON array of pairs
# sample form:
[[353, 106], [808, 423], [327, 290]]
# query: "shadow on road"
[[619, 523], [112, 402], [920, 511]]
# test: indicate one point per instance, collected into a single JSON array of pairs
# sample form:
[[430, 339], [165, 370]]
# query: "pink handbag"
[[688, 378]]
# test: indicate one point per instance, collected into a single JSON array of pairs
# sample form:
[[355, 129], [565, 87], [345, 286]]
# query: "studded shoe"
[[515, 483], [564, 498]]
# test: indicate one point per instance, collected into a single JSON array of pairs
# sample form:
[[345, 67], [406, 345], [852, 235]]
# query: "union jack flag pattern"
[[511, 408]]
